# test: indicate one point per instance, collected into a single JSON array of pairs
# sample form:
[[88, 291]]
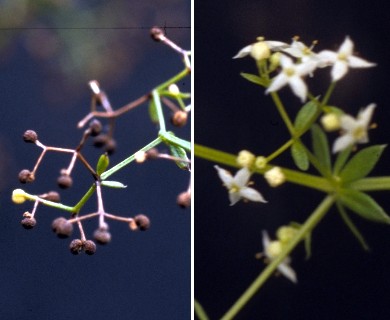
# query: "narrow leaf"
[[341, 159], [254, 78], [113, 184], [361, 163], [180, 153], [153, 111], [352, 226], [364, 205], [299, 156], [102, 164], [305, 115], [321, 146]]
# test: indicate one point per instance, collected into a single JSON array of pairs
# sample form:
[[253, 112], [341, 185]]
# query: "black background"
[[138, 275], [340, 280]]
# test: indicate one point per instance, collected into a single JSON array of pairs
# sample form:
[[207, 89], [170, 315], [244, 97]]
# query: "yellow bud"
[[274, 249], [285, 233], [18, 196], [245, 159], [275, 177], [260, 51], [331, 122], [274, 60], [260, 162], [174, 89]]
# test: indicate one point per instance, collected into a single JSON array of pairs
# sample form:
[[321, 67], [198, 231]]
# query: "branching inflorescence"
[[167, 94]]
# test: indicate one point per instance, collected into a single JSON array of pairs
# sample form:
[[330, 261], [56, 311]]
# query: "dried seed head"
[[26, 176], [30, 136], [184, 199], [102, 236], [64, 181], [110, 146], [51, 196], [156, 33], [179, 118], [62, 227], [89, 247], [142, 221], [76, 246], [29, 223], [100, 140], [96, 127]]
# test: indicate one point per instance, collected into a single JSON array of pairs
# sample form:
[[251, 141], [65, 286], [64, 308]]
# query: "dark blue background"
[[138, 275], [340, 280]]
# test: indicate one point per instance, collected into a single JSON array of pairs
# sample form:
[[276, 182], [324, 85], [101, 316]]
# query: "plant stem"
[[371, 184], [305, 229], [160, 115]]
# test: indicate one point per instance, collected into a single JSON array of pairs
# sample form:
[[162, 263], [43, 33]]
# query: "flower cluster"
[[167, 94]]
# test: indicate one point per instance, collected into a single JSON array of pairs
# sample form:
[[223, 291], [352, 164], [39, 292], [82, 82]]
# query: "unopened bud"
[[245, 159]]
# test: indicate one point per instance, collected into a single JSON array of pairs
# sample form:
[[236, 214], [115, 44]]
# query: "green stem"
[[160, 114], [304, 179], [170, 138], [371, 184], [283, 113], [84, 199], [128, 160], [174, 79], [49, 203], [305, 229]]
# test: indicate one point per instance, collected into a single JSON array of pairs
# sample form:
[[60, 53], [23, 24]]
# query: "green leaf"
[[102, 164], [361, 163], [341, 159], [254, 78], [113, 184], [305, 115], [321, 146], [351, 226], [364, 205], [299, 156], [179, 152], [153, 111]]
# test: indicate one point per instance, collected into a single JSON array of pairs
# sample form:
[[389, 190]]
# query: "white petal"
[[355, 62], [299, 87], [243, 52], [242, 177], [342, 142], [327, 57], [287, 271], [339, 70], [286, 62], [346, 47], [347, 122], [278, 82], [306, 67], [234, 197], [276, 45], [225, 176], [365, 115], [266, 240], [251, 194]]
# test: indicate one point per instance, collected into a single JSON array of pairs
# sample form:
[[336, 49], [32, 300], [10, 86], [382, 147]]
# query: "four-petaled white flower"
[[237, 185], [292, 74], [271, 250], [354, 130], [343, 59], [299, 50], [263, 45]]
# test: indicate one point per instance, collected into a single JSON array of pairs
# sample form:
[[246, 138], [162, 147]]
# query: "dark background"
[[340, 280], [43, 86]]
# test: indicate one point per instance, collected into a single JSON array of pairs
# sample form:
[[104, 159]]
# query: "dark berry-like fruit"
[[29, 223], [89, 247], [179, 118], [110, 146], [30, 136], [152, 153], [26, 176], [142, 221], [64, 181], [184, 199], [76, 246], [96, 127], [62, 227], [100, 140], [102, 236], [51, 196], [156, 33]]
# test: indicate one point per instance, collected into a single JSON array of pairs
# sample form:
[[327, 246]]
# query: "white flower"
[[343, 59], [237, 185], [299, 50], [260, 49], [271, 250], [292, 74], [354, 130]]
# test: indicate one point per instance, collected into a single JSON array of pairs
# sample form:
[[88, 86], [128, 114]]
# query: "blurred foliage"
[[74, 41]]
